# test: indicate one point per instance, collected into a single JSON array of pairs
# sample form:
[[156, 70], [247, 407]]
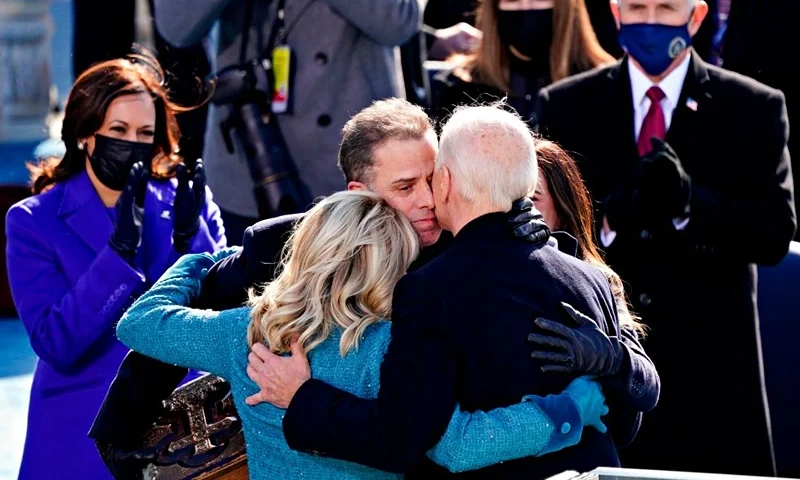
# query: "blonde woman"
[[331, 301]]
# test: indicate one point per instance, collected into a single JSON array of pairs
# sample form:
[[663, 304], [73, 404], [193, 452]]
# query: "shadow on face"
[[401, 174]]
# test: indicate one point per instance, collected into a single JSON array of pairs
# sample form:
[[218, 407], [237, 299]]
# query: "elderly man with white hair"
[[460, 324]]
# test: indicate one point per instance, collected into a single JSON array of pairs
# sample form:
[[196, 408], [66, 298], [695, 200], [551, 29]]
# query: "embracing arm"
[[229, 280], [63, 320], [637, 385], [388, 22], [161, 326], [535, 427], [391, 432]]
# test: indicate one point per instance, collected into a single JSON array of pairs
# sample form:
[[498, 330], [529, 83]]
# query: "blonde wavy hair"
[[338, 271]]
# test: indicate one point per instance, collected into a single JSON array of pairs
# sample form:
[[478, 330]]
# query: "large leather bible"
[[198, 435]]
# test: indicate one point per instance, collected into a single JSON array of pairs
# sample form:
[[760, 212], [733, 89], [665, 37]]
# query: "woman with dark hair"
[[526, 45], [621, 364], [105, 222]]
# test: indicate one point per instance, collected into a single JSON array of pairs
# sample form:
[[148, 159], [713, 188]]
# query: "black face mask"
[[530, 32], [113, 158]]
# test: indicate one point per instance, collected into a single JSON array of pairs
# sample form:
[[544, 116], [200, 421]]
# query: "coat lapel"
[[622, 105], [695, 101], [84, 212]]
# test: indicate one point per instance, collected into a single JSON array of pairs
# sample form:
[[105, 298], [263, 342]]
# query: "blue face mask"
[[654, 45]]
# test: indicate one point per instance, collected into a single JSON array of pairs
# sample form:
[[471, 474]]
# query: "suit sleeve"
[[388, 22], [63, 319], [761, 216], [638, 385], [394, 431], [183, 23], [134, 399], [229, 280]]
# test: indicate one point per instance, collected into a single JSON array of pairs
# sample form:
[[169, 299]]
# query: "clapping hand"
[[189, 203], [665, 187], [127, 234]]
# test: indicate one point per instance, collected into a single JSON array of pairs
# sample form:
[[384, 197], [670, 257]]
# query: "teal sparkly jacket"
[[160, 325]]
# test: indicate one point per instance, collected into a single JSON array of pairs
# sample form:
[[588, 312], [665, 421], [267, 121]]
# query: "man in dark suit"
[[459, 323], [684, 218]]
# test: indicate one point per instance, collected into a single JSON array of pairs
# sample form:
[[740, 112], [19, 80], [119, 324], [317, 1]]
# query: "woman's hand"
[[189, 204], [590, 401], [127, 234], [582, 349]]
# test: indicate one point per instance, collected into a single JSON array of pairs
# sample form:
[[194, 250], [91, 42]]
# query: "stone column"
[[25, 77]]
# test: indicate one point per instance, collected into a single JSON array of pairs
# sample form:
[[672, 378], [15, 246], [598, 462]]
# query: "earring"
[[81, 146]]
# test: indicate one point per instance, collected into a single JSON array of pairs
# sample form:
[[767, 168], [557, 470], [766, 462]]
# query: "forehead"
[[133, 108], [405, 158], [654, 3]]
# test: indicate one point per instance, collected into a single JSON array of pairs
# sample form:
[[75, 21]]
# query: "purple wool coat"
[[70, 289]]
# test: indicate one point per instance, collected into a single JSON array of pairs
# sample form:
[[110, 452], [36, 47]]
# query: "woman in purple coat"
[[106, 221]]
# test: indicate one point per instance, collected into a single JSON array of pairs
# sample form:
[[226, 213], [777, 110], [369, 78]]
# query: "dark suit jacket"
[[760, 42], [459, 330], [694, 288]]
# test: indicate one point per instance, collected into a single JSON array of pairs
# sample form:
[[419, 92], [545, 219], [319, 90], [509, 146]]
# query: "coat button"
[[320, 59], [324, 120], [645, 299], [645, 234], [565, 428]]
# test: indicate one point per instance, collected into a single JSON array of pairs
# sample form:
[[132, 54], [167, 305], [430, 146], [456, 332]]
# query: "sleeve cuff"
[[680, 223], [563, 412], [607, 237]]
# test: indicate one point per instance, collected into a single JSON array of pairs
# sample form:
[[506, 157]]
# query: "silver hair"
[[490, 154]]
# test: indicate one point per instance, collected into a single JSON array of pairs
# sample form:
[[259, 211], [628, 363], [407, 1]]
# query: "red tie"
[[653, 124]]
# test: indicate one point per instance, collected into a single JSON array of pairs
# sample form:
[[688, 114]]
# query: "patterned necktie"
[[653, 124]]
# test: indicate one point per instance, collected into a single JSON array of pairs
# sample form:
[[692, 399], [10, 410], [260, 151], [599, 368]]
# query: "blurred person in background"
[[526, 45], [344, 57], [105, 222]]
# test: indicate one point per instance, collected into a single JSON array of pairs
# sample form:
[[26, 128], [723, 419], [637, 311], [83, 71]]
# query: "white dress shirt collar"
[[671, 85]]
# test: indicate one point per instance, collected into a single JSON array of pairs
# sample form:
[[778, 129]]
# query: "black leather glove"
[[127, 234], [618, 208], [189, 204], [582, 350], [526, 222], [665, 188], [126, 465]]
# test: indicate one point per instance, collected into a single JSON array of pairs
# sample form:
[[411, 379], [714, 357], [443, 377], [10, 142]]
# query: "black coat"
[[694, 288], [459, 329]]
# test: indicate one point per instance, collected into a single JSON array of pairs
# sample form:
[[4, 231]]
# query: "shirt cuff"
[[607, 237], [680, 223]]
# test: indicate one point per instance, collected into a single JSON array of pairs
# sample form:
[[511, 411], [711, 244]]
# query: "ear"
[[356, 186], [698, 15], [614, 5], [446, 184]]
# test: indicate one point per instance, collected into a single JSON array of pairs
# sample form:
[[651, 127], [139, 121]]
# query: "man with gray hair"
[[459, 324]]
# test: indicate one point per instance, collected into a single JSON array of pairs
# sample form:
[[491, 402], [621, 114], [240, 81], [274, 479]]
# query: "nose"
[[425, 199], [652, 16], [131, 135]]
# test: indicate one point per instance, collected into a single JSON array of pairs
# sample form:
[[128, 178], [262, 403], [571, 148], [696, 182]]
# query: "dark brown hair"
[[574, 49], [384, 120], [573, 205], [86, 108]]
